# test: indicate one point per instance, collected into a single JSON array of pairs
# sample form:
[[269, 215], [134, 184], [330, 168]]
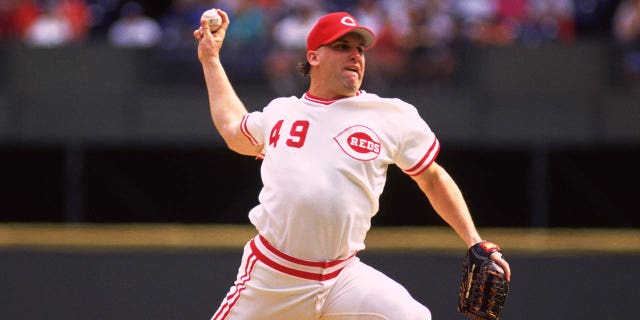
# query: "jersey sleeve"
[[419, 146], [251, 127]]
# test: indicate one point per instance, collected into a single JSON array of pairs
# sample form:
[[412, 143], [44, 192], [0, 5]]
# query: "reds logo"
[[348, 21], [359, 142]]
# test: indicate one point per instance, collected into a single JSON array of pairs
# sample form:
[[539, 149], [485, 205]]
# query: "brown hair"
[[304, 68]]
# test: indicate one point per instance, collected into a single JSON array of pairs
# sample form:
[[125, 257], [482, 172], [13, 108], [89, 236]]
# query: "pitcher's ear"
[[312, 57]]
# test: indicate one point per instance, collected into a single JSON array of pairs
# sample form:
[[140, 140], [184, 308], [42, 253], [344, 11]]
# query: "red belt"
[[305, 269]]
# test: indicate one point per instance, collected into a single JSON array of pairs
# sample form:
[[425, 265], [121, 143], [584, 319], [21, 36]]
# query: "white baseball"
[[213, 18]]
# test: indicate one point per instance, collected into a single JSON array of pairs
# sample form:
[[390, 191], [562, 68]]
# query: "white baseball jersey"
[[324, 168]]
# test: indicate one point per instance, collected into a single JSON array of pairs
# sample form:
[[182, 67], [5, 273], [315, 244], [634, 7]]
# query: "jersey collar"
[[310, 98]]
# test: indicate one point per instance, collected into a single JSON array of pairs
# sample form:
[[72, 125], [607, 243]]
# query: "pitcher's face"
[[341, 64]]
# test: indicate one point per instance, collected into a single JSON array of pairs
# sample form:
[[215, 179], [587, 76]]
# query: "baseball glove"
[[484, 288]]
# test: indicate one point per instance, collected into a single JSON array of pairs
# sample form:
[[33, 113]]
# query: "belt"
[[306, 269]]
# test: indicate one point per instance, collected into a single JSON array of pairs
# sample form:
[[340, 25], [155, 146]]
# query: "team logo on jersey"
[[359, 142]]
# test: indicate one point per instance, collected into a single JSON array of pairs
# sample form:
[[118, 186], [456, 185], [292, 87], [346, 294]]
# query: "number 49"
[[297, 134]]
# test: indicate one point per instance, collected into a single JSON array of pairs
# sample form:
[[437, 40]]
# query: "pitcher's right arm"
[[227, 110]]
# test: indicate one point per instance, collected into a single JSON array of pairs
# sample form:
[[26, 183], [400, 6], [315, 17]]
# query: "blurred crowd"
[[626, 29], [418, 40]]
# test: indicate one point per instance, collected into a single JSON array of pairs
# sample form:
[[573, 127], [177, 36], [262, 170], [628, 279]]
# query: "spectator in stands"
[[103, 13], [175, 49], [250, 23], [505, 26], [548, 21], [626, 29], [371, 13], [432, 60], [7, 30], [79, 16], [474, 16], [50, 29], [177, 24], [249, 37], [134, 28], [16, 17], [289, 36]]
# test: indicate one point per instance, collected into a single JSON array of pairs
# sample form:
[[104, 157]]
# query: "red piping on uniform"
[[245, 130], [233, 298], [325, 101], [319, 264], [421, 162], [291, 271]]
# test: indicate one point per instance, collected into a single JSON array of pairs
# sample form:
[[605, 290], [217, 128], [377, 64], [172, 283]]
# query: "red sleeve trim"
[[245, 130], [426, 161]]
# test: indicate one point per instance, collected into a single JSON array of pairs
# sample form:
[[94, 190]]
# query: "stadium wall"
[[87, 133]]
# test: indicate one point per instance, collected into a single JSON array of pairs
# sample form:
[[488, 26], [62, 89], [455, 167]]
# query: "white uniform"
[[324, 168]]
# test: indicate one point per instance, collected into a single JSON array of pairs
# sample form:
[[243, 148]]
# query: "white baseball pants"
[[274, 286]]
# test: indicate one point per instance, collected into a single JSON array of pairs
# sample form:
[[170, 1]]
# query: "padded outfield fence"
[[175, 271]]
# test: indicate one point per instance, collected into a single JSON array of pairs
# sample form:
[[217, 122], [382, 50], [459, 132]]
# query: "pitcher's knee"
[[419, 313], [410, 311], [427, 315]]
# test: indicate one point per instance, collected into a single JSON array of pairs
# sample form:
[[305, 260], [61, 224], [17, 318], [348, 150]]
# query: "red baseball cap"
[[335, 25]]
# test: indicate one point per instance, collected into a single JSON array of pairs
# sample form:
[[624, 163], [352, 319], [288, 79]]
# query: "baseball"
[[213, 18]]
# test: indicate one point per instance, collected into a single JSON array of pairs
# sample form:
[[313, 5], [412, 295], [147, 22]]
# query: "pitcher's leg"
[[361, 292], [261, 293]]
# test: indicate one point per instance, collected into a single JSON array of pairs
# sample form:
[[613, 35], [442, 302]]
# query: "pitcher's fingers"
[[204, 26], [197, 34], [225, 19], [497, 257]]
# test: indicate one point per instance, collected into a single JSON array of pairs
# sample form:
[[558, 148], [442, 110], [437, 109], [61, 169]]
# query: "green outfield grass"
[[183, 237]]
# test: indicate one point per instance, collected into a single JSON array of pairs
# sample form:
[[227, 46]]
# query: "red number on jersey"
[[298, 133], [275, 133]]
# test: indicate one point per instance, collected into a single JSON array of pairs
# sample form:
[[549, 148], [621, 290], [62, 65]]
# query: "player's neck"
[[330, 94]]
